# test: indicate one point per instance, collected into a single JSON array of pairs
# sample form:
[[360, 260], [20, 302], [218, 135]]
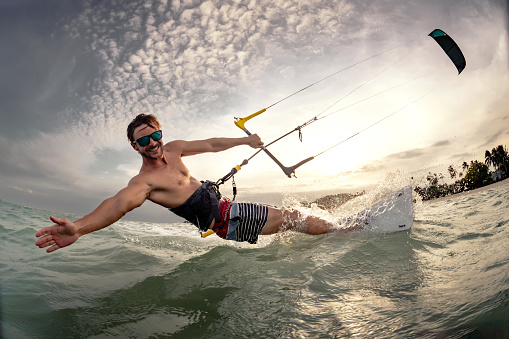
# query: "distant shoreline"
[[498, 183]]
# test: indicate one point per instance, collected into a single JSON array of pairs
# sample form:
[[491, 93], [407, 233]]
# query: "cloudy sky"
[[74, 74]]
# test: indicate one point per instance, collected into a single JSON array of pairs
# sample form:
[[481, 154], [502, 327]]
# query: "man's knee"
[[274, 221], [283, 220]]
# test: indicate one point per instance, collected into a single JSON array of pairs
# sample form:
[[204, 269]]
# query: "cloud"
[[178, 59], [27, 190], [409, 154], [441, 143]]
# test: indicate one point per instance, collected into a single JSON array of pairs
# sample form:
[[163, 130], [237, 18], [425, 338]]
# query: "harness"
[[202, 207]]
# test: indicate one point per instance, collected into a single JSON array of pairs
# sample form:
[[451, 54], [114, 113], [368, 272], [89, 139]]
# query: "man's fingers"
[[40, 232], [47, 230], [59, 221], [45, 241], [43, 231], [53, 248], [47, 236]]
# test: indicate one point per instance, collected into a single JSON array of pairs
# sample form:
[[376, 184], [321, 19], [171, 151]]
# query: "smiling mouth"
[[153, 150]]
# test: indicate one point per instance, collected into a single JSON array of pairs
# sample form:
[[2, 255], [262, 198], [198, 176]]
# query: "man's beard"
[[147, 155]]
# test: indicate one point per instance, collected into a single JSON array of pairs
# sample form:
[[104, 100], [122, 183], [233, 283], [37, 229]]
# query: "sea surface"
[[447, 277]]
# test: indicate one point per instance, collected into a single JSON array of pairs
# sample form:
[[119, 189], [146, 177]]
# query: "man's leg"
[[279, 220]]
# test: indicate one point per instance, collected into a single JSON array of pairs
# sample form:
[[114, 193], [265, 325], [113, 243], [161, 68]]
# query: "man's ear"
[[133, 145]]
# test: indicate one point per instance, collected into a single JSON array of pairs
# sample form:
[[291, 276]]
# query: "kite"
[[450, 48]]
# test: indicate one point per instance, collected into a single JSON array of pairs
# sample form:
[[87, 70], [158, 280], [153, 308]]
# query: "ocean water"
[[447, 277]]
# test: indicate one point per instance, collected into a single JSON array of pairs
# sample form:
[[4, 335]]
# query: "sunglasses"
[[144, 141]]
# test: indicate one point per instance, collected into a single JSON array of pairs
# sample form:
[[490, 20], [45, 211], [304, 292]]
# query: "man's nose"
[[151, 142]]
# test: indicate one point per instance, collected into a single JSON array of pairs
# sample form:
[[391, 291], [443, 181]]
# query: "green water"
[[447, 277]]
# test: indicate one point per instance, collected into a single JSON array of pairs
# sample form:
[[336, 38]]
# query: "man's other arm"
[[64, 232], [213, 144]]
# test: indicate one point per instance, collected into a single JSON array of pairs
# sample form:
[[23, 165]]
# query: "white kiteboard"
[[392, 214]]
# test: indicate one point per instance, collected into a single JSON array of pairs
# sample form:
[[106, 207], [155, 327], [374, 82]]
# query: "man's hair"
[[142, 119]]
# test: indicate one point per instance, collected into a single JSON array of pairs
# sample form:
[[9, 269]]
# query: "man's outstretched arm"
[[64, 232], [214, 144]]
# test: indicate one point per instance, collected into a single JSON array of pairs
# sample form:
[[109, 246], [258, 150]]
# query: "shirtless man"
[[165, 180]]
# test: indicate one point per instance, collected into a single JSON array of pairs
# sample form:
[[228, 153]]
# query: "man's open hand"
[[62, 234]]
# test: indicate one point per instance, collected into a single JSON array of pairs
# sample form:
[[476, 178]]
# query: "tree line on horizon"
[[477, 175]]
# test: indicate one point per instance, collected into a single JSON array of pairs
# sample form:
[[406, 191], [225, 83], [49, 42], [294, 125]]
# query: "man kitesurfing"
[[165, 180]]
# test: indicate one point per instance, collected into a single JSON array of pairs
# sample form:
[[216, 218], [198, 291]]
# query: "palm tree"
[[489, 158], [432, 179], [465, 166], [452, 172], [502, 158], [496, 158]]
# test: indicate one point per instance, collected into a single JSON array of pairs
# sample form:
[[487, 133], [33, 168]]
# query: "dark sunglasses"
[[144, 141]]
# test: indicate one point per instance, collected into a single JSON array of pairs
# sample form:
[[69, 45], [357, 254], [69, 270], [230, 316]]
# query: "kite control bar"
[[289, 171]]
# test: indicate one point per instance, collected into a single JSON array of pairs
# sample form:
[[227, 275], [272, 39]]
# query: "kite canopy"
[[450, 48]]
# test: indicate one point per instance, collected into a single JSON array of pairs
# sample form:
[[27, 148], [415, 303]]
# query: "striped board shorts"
[[246, 221]]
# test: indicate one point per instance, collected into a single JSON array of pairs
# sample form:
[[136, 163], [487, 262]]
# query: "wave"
[[446, 277]]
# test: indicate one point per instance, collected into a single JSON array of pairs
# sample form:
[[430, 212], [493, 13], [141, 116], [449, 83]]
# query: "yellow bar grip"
[[206, 234], [241, 121]]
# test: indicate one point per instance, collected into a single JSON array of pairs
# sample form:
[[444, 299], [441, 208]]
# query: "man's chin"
[[152, 156]]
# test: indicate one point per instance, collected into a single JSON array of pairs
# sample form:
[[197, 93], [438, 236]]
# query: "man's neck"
[[154, 163]]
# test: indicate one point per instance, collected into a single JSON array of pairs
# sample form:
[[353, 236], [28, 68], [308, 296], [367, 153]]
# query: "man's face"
[[154, 149]]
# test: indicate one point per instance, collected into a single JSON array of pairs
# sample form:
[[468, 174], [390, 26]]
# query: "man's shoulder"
[[175, 146], [141, 178]]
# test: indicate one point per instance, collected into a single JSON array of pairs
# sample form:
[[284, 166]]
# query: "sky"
[[74, 74]]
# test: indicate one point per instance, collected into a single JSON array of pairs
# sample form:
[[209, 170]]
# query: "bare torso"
[[170, 183]]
